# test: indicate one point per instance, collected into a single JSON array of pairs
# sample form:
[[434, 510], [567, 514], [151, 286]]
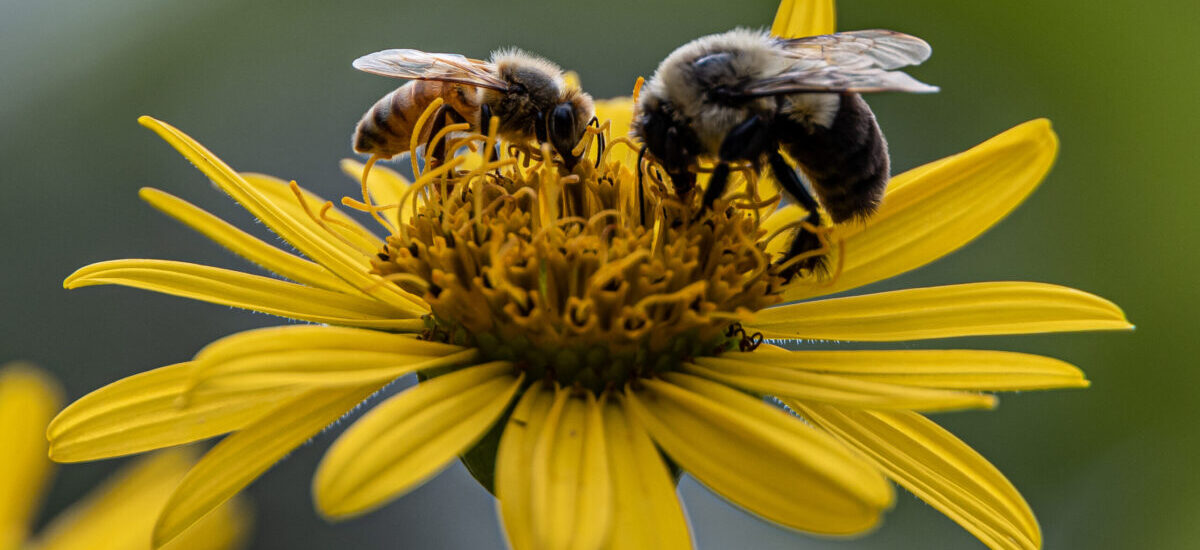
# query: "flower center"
[[589, 277]]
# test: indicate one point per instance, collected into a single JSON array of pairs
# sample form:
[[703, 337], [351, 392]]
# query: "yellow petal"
[[246, 291], [120, 514], [800, 18], [242, 457], [280, 357], [760, 457], [571, 494], [285, 338], [146, 411], [514, 459], [410, 437], [281, 195], [826, 388], [937, 467], [646, 511], [973, 309], [933, 210], [28, 399], [385, 185], [244, 244], [322, 246], [961, 369]]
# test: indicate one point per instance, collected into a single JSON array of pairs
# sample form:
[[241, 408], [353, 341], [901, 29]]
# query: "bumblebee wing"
[[419, 65], [857, 61], [836, 79], [877, 48]]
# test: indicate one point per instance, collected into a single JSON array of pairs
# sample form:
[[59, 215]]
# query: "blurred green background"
[[269, 87]]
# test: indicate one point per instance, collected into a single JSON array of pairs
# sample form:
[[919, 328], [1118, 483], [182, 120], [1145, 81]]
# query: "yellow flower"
[[579, 335], [118, 515]]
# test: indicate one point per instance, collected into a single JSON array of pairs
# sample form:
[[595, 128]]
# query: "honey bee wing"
[[878, 48], [419, 65]]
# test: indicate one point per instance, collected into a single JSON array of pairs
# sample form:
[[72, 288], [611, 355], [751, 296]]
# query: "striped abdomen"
[[386, 129], [846, 162]]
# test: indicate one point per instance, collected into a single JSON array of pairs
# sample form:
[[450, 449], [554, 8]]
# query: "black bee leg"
[[561, 129], [485, 118], [439, 149], [716, 184], [746, 141], [805, 241], [451, 117], [485, 124], [599, 140], [539, 129]]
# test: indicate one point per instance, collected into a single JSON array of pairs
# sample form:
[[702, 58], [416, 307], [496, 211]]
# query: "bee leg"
[[539, 129], [439, 149], [746, 141], [716, 184], [449, 117], [485, 126], [806, 241], [485, 118], [599, 140]]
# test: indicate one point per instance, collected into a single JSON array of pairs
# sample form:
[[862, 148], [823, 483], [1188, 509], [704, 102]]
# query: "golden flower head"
[[571, 326]]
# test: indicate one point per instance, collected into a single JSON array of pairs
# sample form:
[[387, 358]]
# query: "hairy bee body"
[[748, 96], [526, 93], [386, 128], [846, 160]]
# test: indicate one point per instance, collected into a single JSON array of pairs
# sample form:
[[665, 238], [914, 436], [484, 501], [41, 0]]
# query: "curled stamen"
[[366, 195], [441, 135], [416, 133], [424, 180], [319, 219], [532, 259], [351, 202], [768, 202], [353, 229]]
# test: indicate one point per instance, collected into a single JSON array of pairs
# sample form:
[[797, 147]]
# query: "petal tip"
[[75, 280], [149, 121]]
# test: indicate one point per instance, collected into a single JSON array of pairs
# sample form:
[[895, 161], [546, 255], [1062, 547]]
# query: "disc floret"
[[590, 277]]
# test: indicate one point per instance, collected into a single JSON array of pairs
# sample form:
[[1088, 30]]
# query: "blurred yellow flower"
[[571, 328], [118, 515]]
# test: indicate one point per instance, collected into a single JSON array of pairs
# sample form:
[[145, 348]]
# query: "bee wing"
[[870, 48], [419, 65], [856, 61], [837, 80]]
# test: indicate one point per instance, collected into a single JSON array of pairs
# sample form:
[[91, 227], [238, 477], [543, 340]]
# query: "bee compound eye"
[[562, 132]]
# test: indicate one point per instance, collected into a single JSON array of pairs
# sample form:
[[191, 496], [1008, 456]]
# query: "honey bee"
[[743, 95], [525, 92]]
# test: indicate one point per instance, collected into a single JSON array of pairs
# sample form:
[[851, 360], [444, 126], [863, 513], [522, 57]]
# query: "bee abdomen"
[[847, 163], [386, 128]]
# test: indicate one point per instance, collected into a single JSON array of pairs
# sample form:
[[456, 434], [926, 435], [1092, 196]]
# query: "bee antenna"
[[600, 145]]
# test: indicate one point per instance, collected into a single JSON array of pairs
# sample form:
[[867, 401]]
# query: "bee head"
[[565, 124], [667, 135]]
